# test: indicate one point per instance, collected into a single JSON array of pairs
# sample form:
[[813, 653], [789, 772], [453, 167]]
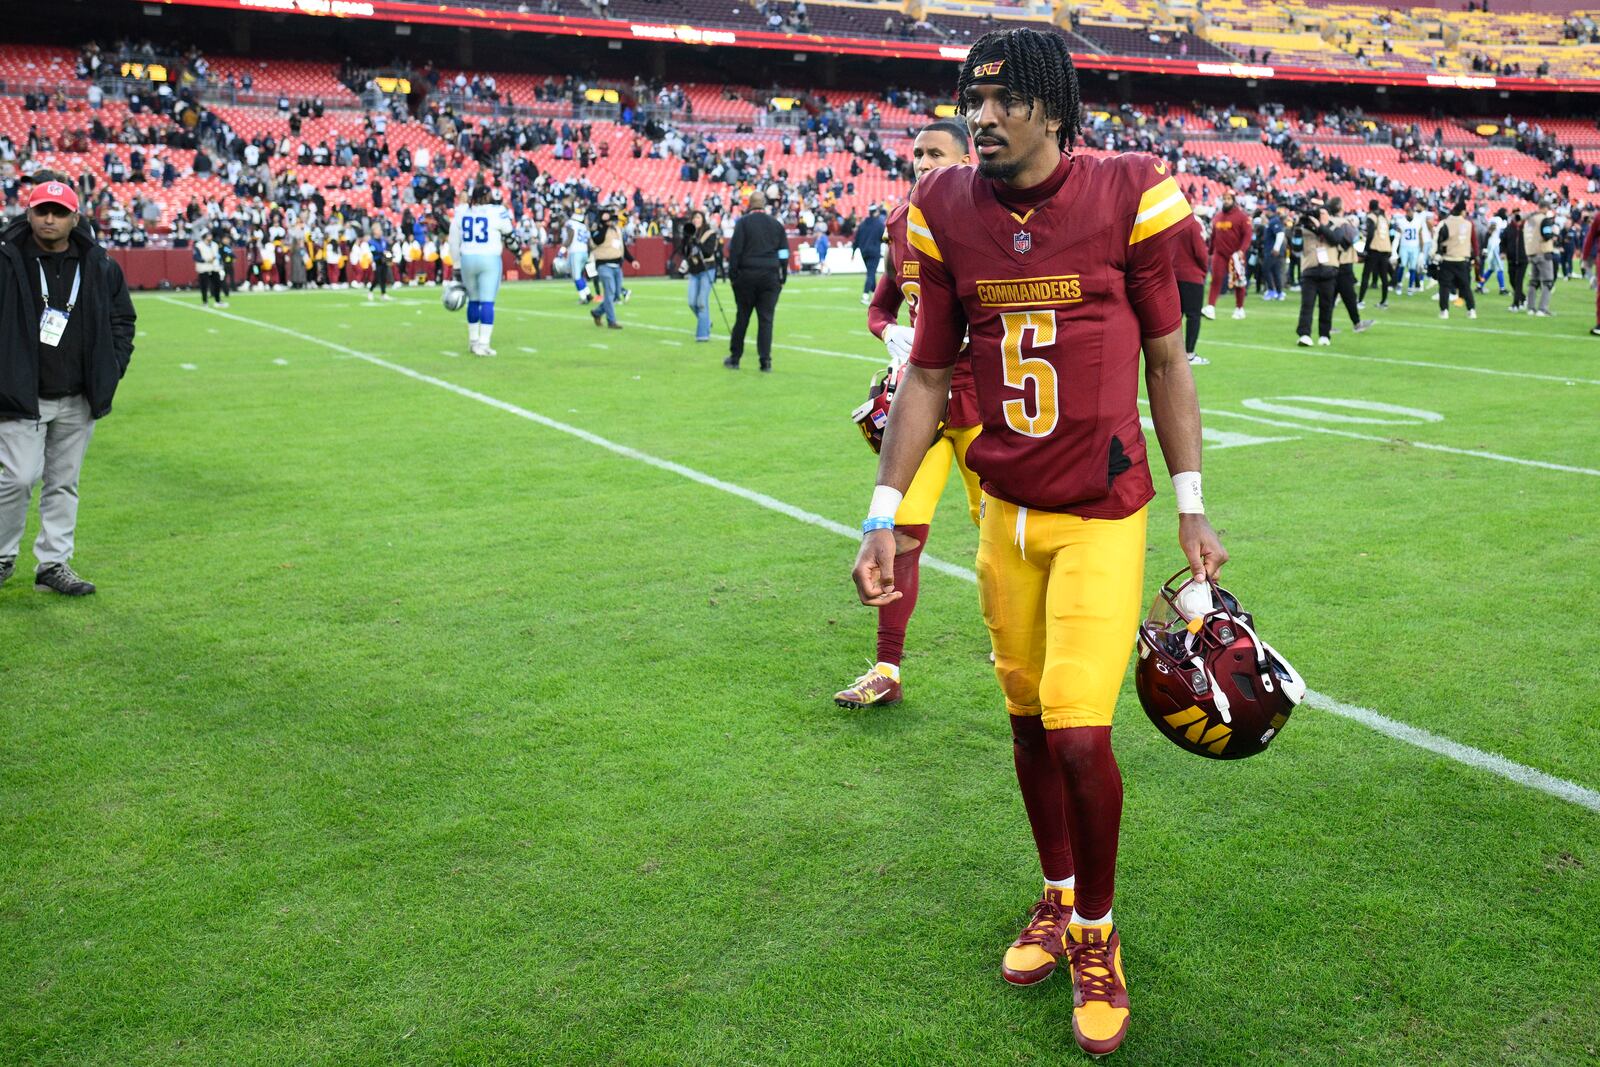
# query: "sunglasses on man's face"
[[55, 211]]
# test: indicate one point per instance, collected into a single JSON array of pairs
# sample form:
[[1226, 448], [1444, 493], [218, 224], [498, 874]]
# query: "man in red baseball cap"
[[66, 336]]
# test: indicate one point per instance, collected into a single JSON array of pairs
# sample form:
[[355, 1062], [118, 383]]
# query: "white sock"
[[472, 333], [484, 330], [1065, 883], [1104, 920], [891, 669]]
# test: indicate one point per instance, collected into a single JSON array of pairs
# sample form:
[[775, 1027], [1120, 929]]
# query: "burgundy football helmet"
[[872, 417], [1206, 680]]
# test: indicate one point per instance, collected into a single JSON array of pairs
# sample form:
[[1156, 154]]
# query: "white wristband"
[[1186, 486], [885, 502]]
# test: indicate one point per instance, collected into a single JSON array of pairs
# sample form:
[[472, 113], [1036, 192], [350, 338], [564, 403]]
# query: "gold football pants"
[[1061, 596], [922, 495]]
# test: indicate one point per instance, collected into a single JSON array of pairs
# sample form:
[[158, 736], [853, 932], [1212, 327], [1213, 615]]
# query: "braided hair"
[[1038, 66]]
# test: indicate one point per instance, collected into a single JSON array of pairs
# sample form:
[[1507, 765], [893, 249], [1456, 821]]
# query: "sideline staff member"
[[1456, 243], [66, 336], [758, 264]]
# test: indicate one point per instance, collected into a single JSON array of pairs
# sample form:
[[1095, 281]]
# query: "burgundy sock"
[[1094, 810], [1238, 298], [1043, 795], [892, 618]]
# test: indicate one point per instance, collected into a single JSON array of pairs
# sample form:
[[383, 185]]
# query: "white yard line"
[[1472, 452], [1298, 350], [1457, 325], [1464, 754], [688, 329], [879, 360]]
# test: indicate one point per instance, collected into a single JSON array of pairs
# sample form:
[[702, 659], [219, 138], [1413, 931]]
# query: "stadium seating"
[[716, 110]]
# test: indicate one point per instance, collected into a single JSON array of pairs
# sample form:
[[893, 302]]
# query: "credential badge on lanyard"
[[53, 322]]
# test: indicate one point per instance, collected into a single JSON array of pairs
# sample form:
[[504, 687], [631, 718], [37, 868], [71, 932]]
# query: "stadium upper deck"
[[1362, 42], [134, 153]]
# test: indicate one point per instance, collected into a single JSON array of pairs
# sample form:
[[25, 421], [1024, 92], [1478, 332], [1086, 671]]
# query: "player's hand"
[[874, 573], [1201, 545], [897, 339]]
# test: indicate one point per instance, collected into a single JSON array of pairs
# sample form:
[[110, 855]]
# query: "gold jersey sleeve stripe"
[[1161, 206], [918, 234]]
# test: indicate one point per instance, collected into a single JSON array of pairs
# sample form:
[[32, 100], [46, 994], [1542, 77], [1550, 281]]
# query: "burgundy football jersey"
[[906, 266], [1055, 300]]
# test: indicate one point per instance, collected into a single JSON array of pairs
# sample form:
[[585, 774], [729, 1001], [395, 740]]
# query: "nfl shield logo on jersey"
[[1022, 240]]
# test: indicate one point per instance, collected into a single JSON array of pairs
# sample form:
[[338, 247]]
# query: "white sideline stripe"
[[878, 360], [1300, 350], [1465, 754], [1433, 309], [668, 329], [1473, 452], [1472, 757]]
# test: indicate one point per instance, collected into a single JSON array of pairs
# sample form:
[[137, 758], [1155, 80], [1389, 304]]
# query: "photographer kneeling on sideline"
[[66, 336]]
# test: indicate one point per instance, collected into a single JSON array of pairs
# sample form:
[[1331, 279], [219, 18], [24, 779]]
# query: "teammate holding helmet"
[[940, 144]]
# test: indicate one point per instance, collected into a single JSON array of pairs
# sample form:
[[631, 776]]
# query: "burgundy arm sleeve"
[[941, 320], [1152, 287], [884, 311]]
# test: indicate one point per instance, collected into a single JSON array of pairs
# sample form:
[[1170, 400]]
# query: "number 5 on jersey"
[[1020, 369]]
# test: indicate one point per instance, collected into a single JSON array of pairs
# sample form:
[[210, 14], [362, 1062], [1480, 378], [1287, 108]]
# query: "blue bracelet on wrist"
[[880, 523]]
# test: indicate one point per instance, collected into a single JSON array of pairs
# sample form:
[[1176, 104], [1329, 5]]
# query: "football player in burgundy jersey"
[[1059, 269], [941, 144]]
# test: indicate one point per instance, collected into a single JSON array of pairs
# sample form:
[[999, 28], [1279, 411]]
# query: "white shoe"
[[1324, 341], [1361, 305], [1209, 311], [386, 296], [1444, 314], [222, 303], [866, 298], [1472, 313], [1238, 313], [1198, 361], [1540, 314], [1305, 340], [370, 296]]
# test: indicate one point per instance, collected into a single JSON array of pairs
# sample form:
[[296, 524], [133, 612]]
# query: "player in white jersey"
[[1493, 264], [1408, 230], [576, 237], [477, 235]]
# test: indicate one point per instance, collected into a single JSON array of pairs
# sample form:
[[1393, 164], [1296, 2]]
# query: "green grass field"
[[407, 729]]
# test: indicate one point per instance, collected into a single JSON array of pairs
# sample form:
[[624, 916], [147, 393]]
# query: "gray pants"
[[1541, 282], [49, 450]]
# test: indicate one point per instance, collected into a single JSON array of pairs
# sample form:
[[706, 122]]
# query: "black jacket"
[[869, 237], [108, 320], [759, 244], [704, 253]]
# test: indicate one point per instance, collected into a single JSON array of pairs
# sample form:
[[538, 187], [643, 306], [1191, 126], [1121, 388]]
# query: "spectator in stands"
[[67, 330], [758, 265], [868, 243], [701, 249]]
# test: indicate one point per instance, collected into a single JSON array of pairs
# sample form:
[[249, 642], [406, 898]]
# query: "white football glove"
[[897, 339]]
